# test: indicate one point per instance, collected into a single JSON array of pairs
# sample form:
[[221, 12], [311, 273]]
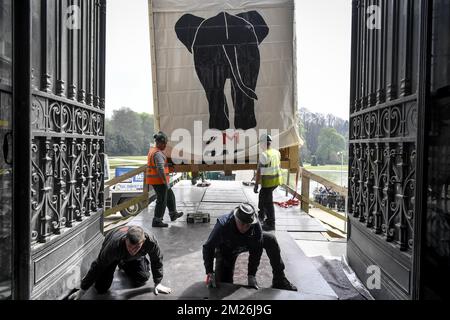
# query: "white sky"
[[323, 40]]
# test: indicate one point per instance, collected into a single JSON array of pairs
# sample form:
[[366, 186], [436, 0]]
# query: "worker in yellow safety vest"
[[158, 176], [270, 176]]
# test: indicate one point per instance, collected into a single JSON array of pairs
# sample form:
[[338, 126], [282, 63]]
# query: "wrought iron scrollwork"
[[67, 166], [382, 171], [59, 117]]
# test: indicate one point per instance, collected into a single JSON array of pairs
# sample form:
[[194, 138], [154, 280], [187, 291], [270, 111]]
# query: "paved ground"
[[181, 244]]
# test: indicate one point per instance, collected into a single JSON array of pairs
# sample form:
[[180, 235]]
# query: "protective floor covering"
[[333, 273], [184, 272]]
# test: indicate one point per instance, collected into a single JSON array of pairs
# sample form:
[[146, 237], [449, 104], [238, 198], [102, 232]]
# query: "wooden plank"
[[308, 201], [126, 176], [328, 210], [221, 167], [305, 193], [143, 198], [294, 159], [312, 176]]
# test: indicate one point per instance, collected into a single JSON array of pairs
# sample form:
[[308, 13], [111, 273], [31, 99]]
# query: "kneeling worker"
[[237, 232], [127, 248]]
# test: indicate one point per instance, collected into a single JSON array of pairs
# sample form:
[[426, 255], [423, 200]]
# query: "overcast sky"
[[323, 40]]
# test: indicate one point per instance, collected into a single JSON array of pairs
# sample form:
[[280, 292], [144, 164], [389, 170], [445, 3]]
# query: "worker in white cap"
[[270, 176]]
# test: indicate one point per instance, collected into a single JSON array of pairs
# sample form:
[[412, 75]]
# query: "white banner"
[[224, 67]]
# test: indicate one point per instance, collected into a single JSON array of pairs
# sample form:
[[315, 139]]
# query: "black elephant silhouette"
[[226, 47]]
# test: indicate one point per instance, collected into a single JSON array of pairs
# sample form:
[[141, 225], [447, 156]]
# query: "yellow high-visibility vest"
[[271, 174]]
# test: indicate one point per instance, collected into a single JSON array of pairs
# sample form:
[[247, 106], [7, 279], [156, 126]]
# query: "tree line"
[[324, 136], [129, 133]]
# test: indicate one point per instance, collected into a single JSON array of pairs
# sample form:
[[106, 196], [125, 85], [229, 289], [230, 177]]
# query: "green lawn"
[[127, 161]]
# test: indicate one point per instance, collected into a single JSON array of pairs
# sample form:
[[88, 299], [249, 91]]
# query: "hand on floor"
[[162, 289], [77, 295]]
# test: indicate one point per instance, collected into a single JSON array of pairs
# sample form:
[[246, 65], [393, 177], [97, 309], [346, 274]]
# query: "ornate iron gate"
[[64, 47], [386, 101]]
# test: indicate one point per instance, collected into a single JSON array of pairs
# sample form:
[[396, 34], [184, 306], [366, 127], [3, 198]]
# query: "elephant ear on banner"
[[261, 28], [186, 28]]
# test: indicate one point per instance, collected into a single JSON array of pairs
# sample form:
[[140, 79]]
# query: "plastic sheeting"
[[224, 65]]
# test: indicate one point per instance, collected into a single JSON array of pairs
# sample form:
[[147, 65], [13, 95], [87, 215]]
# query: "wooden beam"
[[328, 210], [312, 176], [143, 198], [213, 167], [305, 193], [126, 176], [294, 160], [221, 167], [308, 201]]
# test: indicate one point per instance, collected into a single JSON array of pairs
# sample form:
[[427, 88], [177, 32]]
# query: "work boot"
[[283, 284], [268, 226], [158, 223], [175, 215]]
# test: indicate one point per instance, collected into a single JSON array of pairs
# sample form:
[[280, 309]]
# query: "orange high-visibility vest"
[[152, 177]]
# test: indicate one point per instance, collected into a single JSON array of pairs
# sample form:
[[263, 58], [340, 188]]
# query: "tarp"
[[224, 65]]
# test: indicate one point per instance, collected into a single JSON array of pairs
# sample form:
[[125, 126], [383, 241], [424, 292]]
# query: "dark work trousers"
[[225, 260], [265, 205], [164, 198], [138, 272]]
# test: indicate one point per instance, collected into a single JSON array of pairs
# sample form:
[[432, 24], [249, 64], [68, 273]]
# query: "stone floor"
[[181, 243]]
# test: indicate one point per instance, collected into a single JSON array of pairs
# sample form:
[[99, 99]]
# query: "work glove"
[[211, 280], [77, 295], [252, 283], [256, 188], [161, 289]]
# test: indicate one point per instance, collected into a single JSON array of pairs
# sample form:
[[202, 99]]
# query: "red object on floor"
[[294, 202], [288, 204]]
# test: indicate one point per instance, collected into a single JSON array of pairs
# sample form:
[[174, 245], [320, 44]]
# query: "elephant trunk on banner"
[[226, 47]]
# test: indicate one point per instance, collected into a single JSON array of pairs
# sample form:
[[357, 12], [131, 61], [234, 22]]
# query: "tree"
[[330, 143], [304, 153], [128, 133], [311, 125], [148, 130]]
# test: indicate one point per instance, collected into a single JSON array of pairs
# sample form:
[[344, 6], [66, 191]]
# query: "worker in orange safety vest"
[[158, 176]]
